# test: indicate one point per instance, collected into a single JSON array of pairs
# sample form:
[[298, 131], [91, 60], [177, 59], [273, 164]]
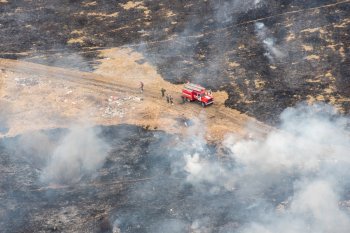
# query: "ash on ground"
[[140, 188], [149, 182]]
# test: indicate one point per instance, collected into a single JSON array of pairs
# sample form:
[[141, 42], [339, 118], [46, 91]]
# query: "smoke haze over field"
[[306, 163], [295, 177], [264, 56], [294, 180], [63, 158], [80, 153], [313, 146], [314, 208]]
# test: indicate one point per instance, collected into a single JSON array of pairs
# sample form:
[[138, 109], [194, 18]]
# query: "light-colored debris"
[[116, 106], [26, 81]]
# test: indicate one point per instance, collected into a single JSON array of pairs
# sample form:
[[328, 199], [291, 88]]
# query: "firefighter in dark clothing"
[[167, 98], [163, 91], [141, 87], [183, 99], [171, 100]]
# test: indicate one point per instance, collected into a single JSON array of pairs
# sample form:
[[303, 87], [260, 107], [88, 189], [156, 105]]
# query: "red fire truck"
[[193, 92]]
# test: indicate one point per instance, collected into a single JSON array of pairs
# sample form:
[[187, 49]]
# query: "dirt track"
[[41, 97]]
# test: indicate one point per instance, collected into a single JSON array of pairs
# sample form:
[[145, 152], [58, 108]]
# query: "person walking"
[[167, 98], [141, 87], [171, 100], [183, 99], [162, 91]]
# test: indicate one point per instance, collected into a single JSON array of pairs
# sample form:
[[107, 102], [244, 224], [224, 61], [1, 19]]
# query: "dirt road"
[[35, 97]]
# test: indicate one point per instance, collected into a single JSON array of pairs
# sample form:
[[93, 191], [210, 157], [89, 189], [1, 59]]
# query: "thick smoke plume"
[[62, 156], [305, 161], [80, 153], [295, 179], [314, 208]]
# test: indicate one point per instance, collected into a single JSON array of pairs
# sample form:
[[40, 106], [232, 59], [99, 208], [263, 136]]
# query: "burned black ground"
[[214, 43], [140, 188]]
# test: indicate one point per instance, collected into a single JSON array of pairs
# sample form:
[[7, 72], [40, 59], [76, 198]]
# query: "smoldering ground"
[[293, 180]]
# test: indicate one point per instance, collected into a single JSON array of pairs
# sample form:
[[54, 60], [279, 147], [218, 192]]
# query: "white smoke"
[[311, 147], [80, 153], [203, 171], [273, 52], [314, 209], [310, 138], [256, 2]]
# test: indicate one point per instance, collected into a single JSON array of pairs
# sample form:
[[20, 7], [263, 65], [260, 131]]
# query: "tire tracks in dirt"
[[217, 114]]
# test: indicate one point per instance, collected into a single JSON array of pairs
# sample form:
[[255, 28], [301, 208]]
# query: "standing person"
[[167, 98], [171, 100], [163, 91], [183, 99], [141, 87]]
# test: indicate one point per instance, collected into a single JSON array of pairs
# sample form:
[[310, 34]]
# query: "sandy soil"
[[35, 97]]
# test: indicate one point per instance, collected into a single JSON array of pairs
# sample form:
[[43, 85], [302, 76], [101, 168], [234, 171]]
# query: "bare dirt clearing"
[[42, 97]]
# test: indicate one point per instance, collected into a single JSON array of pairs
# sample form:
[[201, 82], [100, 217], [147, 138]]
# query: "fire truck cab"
[[194, 92]]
